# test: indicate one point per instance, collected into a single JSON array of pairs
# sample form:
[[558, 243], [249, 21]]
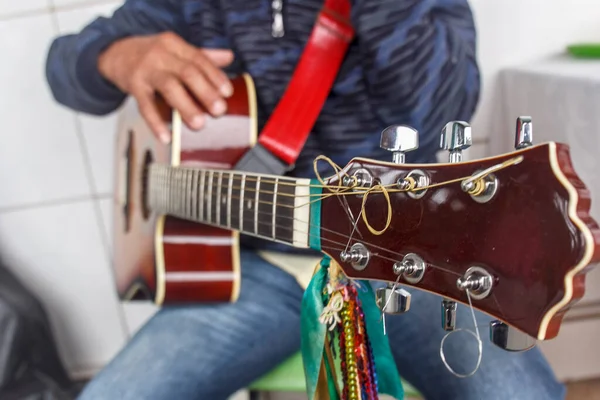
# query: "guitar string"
[[370, 190], [291, 228], [475, 334], [442, 354], [282, 180], [477, 338], [374, 254], [384, 189]]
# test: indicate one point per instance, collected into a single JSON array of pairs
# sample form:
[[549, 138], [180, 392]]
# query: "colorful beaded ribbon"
[[342, 335]]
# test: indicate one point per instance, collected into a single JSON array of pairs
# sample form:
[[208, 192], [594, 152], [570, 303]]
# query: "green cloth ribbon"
[[314, 333]]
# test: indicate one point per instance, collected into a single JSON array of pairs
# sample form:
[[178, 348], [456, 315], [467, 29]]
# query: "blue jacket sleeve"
[[71, 65], [420, 62]]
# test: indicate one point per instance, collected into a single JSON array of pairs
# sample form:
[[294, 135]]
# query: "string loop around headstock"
[[474, 184], [518, 222]]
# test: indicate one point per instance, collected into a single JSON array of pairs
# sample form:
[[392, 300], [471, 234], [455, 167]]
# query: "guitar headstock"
[[513, 229]]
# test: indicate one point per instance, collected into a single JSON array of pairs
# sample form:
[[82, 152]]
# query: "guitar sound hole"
[[125, 182], [146, 211]]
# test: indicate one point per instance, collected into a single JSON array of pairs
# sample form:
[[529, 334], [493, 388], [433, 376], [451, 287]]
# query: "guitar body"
[[164, 258], [517, 232]]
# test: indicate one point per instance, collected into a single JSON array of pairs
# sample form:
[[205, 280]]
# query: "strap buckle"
[[259, 160]]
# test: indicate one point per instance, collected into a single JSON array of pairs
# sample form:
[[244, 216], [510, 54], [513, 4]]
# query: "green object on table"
[[289, 377], [584, 50]]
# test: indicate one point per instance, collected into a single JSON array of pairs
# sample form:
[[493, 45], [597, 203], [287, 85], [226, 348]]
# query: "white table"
[[562, 95]]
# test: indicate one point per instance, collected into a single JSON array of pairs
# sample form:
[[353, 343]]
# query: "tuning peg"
[[394, 300], [509, 338], [456, 137], [448, 315], [524, 133], [399, 139]]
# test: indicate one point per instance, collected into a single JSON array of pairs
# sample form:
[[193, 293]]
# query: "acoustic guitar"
[[514, 229]]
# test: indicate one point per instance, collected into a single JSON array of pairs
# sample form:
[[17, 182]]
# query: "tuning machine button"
[[448, 315], [456, 137], [509, 338], [358, 256], [399, 139], [392, 299], [412, 268], [477, 281], [359, 179], [524, 133]]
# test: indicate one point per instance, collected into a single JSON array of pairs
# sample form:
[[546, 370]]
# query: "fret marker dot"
[[223, 200], [249, 204]]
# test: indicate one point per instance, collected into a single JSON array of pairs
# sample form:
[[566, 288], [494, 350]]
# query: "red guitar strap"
[[289, 125]]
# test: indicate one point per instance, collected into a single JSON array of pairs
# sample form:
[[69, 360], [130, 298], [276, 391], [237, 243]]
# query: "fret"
[[163, 187], [179, 191], [265, 207], [174, 197], [178, 196], [188, 194], [209, 196], [229, 190], [223, 212], [173, 186], [218, 199], [194, 201], [171, 192], [235, 201], [274, 208], [201, 197], [185, 197], [256, 204], [284, 215], [241, 205], [249, 204]]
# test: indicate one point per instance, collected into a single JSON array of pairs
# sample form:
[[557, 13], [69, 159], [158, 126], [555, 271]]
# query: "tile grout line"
[[52, 8], [89, 172], [53, 203], [93, 190]]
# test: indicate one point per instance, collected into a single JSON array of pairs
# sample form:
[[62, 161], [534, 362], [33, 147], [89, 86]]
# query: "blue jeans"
[[210, 352]]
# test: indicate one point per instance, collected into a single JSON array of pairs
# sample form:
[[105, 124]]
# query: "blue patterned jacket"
[[412, 62]]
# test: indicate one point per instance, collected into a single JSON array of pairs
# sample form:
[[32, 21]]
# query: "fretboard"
[[270, 207]]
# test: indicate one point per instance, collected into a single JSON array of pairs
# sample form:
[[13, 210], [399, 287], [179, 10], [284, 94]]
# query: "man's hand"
[[183, 75]]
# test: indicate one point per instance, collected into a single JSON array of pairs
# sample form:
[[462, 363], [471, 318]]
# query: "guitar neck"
[[270, 207]]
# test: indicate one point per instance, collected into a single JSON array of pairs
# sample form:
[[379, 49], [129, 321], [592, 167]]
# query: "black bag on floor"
[[30, 366]]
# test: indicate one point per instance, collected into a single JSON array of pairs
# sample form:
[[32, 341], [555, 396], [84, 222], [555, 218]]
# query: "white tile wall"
[[478, 150], [57, 252], [98, 132], [72, 20], [88, 4], [16, 7], [41, 153], [522, 31], [137, 314], [107, 222], [99, 135]]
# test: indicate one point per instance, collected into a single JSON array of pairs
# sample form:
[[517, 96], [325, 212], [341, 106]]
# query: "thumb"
[[219, 57]]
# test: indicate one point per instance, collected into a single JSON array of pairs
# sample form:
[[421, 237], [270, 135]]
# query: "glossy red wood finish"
[[196, 270], [199, 260], [523, 236]]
